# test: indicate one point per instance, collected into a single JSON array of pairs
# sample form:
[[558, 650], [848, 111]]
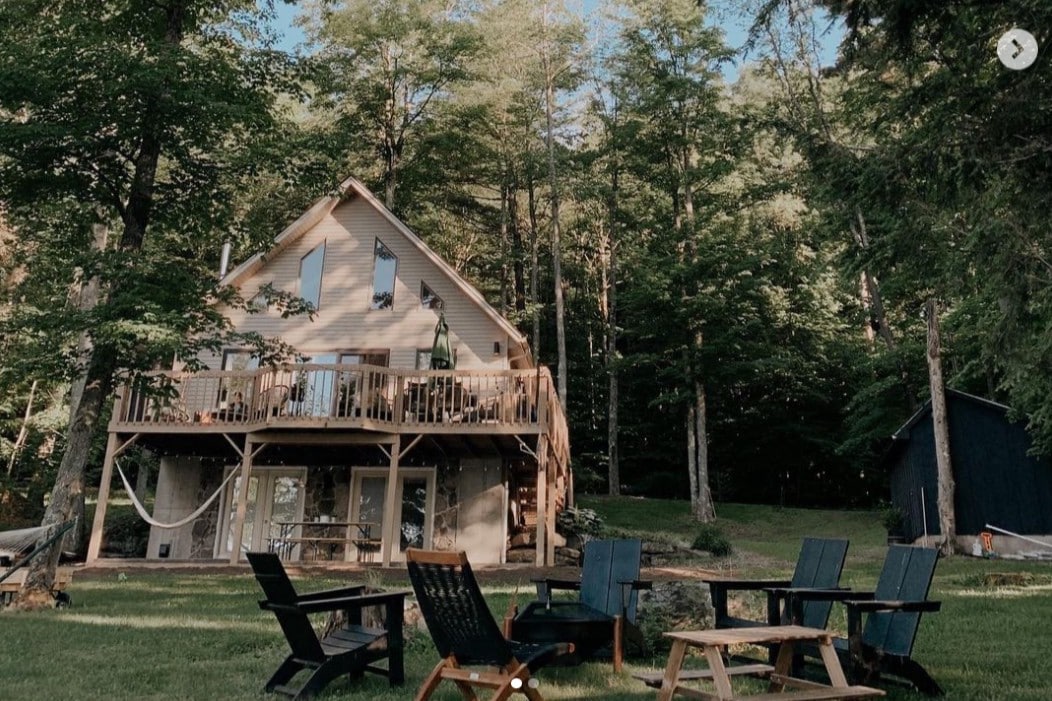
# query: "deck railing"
[[313, 394]]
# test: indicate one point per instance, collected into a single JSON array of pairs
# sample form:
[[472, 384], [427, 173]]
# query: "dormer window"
[[385, 264], [311, 266], [428, 298]]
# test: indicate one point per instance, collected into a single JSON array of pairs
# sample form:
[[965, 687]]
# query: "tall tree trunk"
[[873, 302], [940, 424], [101, 365], [518, 255], [89, 297], [613, 456], [69, 482], [535, 263], [701, 497], [701, 502], [504, 287], [553, 184]]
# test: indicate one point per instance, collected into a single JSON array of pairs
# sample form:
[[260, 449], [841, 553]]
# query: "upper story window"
[[385, 264], [428, 298], [259, 302], [310, 275]]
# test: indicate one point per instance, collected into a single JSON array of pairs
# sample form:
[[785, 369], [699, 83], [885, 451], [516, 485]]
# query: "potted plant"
[[893, 519]]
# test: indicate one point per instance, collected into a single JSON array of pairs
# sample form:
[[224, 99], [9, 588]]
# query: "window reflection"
[[310, 275], [385, 264], [428, 298]]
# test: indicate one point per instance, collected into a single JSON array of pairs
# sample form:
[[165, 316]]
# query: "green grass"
[[152, 635]]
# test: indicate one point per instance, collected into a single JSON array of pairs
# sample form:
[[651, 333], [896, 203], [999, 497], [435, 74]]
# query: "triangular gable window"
[[428, 298]]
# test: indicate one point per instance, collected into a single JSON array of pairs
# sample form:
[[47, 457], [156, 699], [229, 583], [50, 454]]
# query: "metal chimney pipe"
[[224, 260]]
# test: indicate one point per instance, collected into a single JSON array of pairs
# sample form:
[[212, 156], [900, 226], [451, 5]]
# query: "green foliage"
[[711, 539], [575, 521], [126, 533]]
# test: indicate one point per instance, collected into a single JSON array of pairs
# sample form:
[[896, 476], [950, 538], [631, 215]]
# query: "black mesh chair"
[[466, 634], [349, 648]]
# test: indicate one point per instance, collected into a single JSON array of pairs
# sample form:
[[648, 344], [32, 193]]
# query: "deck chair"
[[350, 648], [465, 633], [605, 612], [882, 643]]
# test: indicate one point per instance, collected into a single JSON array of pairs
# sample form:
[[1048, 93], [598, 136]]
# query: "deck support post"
[[102, 501], [242, 501], [542, 501], [389, 528]]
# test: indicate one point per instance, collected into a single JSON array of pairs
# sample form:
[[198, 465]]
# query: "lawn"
[[151, 635]]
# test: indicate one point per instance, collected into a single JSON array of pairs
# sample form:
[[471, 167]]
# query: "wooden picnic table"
[[714, 645], [356, 533]]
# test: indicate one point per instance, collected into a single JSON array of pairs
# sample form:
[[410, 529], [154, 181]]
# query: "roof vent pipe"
[[224, 260]]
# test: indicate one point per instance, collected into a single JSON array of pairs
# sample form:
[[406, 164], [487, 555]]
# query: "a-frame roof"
[[352, 187]]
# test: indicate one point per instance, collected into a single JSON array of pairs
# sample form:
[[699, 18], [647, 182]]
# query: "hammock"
[[14, 542], [182, 522]]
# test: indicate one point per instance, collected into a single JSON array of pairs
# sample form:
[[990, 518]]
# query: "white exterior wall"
[[345, 321], [482, 524], [178, 482]]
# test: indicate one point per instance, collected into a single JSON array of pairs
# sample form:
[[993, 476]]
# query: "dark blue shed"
[[996, 481]]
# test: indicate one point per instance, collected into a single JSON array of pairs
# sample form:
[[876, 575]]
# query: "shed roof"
[[352, 187], [903, 433]]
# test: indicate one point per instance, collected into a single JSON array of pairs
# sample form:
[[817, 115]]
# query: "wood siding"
[[997, 482], [345, 321]]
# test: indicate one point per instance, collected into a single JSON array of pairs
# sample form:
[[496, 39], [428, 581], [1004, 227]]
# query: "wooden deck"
[[319, 397], [312, 408]]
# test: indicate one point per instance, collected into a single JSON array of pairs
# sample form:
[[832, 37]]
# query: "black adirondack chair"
[[466, 634], [605, 612], [882, 643], [818, 567], [350, 648]]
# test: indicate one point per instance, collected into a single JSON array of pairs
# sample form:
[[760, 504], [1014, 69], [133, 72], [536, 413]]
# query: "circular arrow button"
[[1017, 49]]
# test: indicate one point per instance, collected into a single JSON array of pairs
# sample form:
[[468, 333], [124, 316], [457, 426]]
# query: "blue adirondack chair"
[[882, 625], [605, 611]]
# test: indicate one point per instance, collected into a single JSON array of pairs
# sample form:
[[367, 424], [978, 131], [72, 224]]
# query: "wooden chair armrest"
[[838, 594], [776, 595], [545, 587], [872, 605], [558, 583], [795, 600], [745, 584], [352, 602], [855, 609], [338, 593], [783, 592]]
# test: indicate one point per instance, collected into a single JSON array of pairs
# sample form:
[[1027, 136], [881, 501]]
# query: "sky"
[[735, 30]]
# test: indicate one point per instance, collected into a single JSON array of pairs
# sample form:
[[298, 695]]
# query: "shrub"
[[579, 522], [711, 539], [126, 534]]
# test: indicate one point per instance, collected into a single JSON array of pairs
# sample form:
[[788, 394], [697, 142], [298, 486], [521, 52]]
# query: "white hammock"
[[182, 522], [16, 541]]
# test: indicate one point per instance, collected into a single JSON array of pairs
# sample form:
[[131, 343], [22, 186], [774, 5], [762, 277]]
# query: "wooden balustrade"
[[333, 395]]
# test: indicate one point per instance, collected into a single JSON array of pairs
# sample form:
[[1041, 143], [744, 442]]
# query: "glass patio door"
[[414, 499], [274, 496]]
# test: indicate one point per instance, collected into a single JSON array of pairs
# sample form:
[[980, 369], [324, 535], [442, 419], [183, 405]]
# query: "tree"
[[670, 58], [134, 120], [385, 66]]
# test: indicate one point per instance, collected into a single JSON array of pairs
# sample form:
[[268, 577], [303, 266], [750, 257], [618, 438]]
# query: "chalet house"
[[365, 446]]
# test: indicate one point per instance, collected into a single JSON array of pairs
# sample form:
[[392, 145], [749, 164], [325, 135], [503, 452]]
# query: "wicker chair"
[[466, 634]]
